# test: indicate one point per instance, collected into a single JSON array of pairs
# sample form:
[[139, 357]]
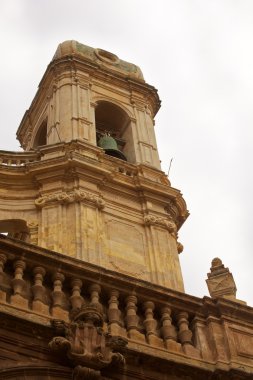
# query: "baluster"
[[185, 335], [76, 299], [169, 331], [39, 291], [132, 319], [95, 290], [59, 298], [18, 284], [151, 324], [115, 325], [3, 259]]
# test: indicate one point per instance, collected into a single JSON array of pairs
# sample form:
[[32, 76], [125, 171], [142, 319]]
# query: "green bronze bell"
[[109, 144]]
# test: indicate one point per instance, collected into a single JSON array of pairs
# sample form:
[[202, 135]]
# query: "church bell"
[[109, 144]]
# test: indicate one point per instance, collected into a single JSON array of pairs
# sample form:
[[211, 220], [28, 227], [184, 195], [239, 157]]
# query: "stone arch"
[[113, 119], [41, 135], [15, 228], [97, 98]]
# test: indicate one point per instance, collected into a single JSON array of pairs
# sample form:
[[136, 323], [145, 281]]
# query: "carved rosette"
[[70, 197], [84, 342], [151, 220]]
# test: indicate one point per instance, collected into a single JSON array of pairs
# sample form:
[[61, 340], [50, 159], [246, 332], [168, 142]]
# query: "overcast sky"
[[198, 54]]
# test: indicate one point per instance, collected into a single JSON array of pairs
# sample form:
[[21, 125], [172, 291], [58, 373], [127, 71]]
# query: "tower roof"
[[101, 57]]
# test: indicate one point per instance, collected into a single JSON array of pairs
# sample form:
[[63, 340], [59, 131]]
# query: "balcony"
[[42, 287]]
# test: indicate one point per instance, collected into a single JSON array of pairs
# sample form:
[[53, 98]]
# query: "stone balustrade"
[[17, 158], [46, 285], [80, 150]]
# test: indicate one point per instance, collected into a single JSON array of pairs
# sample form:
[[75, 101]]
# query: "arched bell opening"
[[15, 228], [114, 131], [41, 135]]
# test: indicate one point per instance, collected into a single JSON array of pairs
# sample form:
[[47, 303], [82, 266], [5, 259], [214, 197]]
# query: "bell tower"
[[90, 279], [90, 176], [86, 92]]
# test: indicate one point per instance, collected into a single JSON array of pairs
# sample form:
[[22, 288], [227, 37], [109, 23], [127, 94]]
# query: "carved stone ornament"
[[70, 197], [220, 281], [151, 220], [84, 342]]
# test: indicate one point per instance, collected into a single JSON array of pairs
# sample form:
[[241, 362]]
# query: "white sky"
[[198, 53]]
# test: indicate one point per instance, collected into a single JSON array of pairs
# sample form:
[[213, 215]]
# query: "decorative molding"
[[151, 220], [70, 197]]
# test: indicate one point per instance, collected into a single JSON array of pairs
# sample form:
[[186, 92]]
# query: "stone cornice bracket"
[[176, 209], [151, 220], [84, 342], [70, 197]]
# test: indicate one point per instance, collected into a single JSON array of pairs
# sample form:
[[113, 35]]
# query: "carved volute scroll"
[[70, 197], [84, 340], [167, 223]]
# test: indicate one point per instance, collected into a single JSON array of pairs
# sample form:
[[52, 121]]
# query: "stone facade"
[[91, 285], [73, 198]]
